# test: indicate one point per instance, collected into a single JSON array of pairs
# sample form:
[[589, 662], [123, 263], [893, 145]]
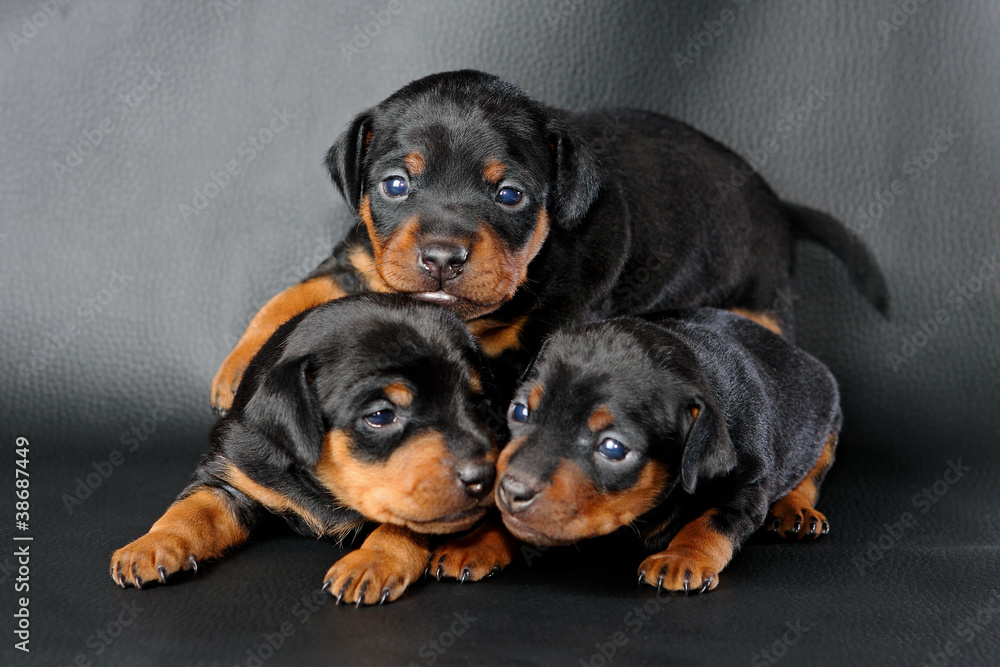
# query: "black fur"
[[325, 370], [644, 216], [765, 411]]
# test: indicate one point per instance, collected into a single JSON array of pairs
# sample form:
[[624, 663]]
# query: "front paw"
[[226, 381], [152, 557], [680, 569], [793, 518], [368, 575], [473, 557]]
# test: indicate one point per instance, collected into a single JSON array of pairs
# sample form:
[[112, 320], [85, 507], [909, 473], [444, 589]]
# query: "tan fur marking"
[[390, 559], [496, 336], [364, 266], [767, 319], [275, 312], [415, 487], [535, 396], [399, 393], [415, 163], [600, 419], [693, 559], [571, 508], [488, 548], [475, 381], [493, 171], [271, 499], [195, 528]]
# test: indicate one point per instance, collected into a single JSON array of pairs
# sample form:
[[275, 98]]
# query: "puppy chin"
[[450, 523], [465, 309], [539, 535]]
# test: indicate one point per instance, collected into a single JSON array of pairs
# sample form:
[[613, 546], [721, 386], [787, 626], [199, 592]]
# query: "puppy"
[[687, 427], [368, 408], [521, 217]]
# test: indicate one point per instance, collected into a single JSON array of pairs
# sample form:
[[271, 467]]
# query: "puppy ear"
[[345, 158], [708, 452], [576, 179], [285, 409]]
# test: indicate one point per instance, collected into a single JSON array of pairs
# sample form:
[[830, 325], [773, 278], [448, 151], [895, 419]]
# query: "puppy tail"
[[847, 246]]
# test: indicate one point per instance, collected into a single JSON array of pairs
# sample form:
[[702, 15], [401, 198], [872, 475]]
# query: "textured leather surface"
[[118, 306]]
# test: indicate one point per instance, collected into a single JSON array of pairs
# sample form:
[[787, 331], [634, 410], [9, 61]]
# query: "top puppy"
[[477, 197]]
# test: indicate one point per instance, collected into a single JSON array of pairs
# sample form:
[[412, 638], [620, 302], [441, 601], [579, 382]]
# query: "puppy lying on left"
[[367, 408]]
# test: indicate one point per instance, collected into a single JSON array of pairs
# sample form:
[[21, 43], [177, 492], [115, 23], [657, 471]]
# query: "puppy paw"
[[369, 576], [152, 557], [794, 518], [480, 554], [679, 569], [226, 381]]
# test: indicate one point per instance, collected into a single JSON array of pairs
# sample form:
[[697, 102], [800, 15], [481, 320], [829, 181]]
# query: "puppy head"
[[378, 397], [458, 177], [610, 418]]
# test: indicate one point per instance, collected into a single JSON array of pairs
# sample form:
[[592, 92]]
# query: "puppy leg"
[[275, 312], [201, 525], [702, 548], [480, 554], [390, 559], [795, 515]]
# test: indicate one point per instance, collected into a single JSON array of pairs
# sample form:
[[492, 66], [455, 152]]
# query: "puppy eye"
[[395, 186], [612, 450], [509, 196], [519, 413], [380, 418]]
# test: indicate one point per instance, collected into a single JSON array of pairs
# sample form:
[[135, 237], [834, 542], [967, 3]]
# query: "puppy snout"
[[515, 496], [477, 478], [443, 260]]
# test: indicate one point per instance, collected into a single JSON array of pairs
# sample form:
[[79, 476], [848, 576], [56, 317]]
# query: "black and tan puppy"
[[687, 427], [364, 409], [521, 217]]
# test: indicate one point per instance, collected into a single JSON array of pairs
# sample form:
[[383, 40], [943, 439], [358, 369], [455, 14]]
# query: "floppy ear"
[[285, 409], [576, 174], [708, 452], [345, 157]]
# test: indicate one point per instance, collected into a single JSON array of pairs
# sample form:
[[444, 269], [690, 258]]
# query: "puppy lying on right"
[[689, 426]]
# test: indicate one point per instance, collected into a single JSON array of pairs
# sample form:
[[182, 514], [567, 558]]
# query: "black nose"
[[443, 261], [478, 478], [514, 495]]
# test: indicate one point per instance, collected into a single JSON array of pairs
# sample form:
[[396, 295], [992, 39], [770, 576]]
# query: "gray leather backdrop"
[[160, 178]]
